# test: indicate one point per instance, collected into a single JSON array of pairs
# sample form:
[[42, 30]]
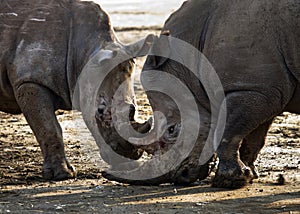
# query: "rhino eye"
[[171, 129], [100, 111]]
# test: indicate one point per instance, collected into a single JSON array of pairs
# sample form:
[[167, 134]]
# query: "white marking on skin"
[[10, 14], [20, 44], [37, 20], [35, 49], [36, 46], [105, 55], [45, 13]]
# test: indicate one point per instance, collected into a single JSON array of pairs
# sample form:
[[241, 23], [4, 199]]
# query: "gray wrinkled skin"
[[254, 46], [44, 46]]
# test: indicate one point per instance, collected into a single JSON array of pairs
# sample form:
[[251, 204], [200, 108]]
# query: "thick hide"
[[44, 45]]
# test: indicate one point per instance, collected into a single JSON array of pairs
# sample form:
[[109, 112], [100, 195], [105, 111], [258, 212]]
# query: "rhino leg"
[[37, 104], [252, 144], [245, 112]]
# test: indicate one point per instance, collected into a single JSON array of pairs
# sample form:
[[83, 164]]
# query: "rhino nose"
[[131, 112], [100, 111]]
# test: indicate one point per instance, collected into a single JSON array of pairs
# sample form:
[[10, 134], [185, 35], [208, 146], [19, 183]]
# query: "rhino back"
[[91, 31], [253, 45], [48, 43], [9, 26], [34, 37], [253, 39]]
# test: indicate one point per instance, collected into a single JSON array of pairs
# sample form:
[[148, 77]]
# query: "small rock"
[[99, 187], [175, 190], [281, 179], [201, 203], [13, 120]]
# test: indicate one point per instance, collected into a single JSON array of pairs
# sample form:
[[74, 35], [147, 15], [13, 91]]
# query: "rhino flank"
[[44, 45], [254, 47]]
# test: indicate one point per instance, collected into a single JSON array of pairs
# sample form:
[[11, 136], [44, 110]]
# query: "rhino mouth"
[[163, 144], [185, 174]]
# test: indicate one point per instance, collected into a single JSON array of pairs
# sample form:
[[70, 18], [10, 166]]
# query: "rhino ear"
[[104, 55], [142, 47], [160, 52]]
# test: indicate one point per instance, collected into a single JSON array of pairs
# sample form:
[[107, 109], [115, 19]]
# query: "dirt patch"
[[24, 191]]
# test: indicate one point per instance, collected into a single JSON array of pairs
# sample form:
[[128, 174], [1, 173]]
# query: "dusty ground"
[[24, 191]]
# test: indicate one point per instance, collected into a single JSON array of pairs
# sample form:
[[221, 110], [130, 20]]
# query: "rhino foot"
[[188, 176], [60, 172], [254, 171], [190, 173], [232, 176]]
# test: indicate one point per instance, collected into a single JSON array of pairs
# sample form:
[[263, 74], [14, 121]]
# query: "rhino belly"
[[9, 106], [294, 104], [8, 102]]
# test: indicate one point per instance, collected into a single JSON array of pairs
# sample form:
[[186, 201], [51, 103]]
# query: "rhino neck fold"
[[89, 30]]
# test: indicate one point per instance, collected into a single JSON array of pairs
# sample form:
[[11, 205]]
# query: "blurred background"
[[139, 13]]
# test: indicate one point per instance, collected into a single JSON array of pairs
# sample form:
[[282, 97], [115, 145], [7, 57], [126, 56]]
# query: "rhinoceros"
[[254, 48], [44, 46]]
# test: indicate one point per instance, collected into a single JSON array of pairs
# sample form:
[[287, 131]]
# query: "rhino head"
[[183, 133], [104, 91]]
